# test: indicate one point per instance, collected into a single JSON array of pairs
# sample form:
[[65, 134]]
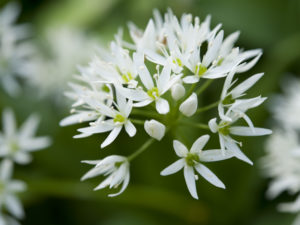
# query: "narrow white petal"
[[215, 155], [213, 49], [189, 177], [199, 144], [232, 147], [14, 206], [180, 148], [78, 118], [247, 131], [112, 136], [130, 128], [124, 186], [190, 79], [245, 85], [209, 175], [102, 127], [29, 127], [173, 168], [35, 144], [143, 72], [9, 122], [6, 169]]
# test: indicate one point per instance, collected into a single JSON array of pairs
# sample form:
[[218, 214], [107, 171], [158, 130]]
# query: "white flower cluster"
[[156, 82], [282, 159], [15, 146], [15, 50]]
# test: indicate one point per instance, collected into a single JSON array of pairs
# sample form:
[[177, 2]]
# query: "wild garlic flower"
[[8, 190], [18, 144], [191, 159], [155, 83], [15, 51], [117, 169]]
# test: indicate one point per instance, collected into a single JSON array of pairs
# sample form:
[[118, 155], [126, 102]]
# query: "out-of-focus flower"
[[192, 159], [64, 49], [155, 129], [17, 144], [15, 51], [8, 190], [117, 169]]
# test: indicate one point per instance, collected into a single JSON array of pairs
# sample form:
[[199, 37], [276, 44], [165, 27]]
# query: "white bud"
[[177, 91], [189, 106], [155, 129]]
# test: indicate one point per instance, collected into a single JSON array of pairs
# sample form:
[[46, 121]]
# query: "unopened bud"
[[155, 129], [177, 91], [189, 106]]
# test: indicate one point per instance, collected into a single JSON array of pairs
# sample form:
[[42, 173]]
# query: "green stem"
[[204, 86], [208, 107], [141, 149], [197, 125], [136, 121]]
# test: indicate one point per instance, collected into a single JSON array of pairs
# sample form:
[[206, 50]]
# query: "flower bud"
[[189, 106], [155, 129], [177, 91]]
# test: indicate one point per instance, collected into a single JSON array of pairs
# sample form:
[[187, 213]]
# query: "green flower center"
[[127, 77], [14, 146], [105, 88], [153, 93], [2, 187], [220, 61], [228, 100], [178, 62], [191, 159], [119, 119], [224, 129], [200, 69]]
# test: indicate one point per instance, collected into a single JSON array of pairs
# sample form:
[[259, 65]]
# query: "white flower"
[[227, 143], [15, 52], [155, 129], [192, 159], [8, 189], [189, 106], [153, 92], [118, 119], [117, 167], [17, 145], [229, 98]]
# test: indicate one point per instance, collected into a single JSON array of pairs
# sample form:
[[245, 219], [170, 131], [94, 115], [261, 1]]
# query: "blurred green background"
[[55, 195]]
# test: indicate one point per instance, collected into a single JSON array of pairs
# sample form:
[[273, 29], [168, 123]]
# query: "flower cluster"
[[155, 81], [15, 50], [15, 146], [282, 159]]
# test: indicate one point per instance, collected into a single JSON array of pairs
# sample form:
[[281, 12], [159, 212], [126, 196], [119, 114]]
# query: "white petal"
[[29, 127], [78, 118], [190, 79], [22, 158], [213, 126], [14, 206], [143, 72], [189, 177], [173, 168], [130, 128], [209, 175], [162, 106], [143, 103], [180, 148], [232, 147], [247, 131], [99, 128], [6, 169], [215, 155], [112, 136], [213, 50], [35, 144], [245, 85], [199, 144], [8, 121], [164, 78], [124, 186]]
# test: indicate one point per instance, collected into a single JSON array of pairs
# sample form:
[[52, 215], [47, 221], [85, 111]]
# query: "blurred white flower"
[[189, 106], [155, 129], [117, 169], [8, 190], [192, 159], [17, 144], [286, 107], [15, 51]]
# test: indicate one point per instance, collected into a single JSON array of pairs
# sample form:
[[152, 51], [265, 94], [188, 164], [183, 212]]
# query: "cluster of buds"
[[155, 82]]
